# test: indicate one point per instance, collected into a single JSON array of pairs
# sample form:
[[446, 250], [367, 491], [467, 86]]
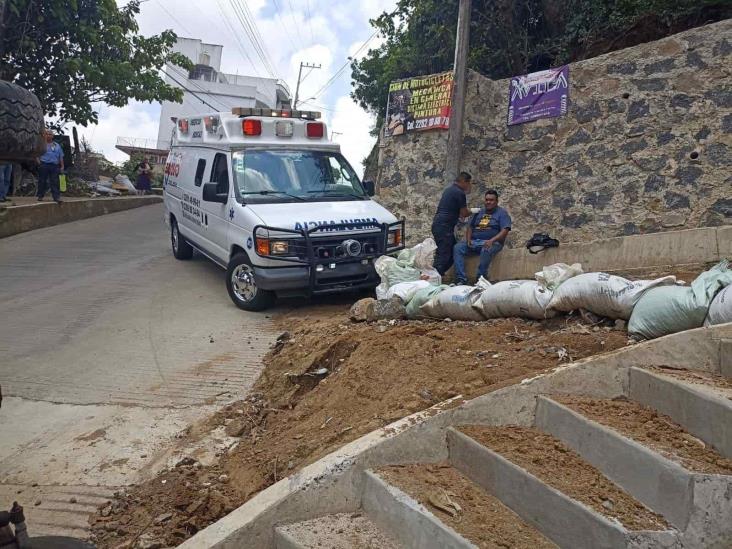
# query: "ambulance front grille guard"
[[310, 240]]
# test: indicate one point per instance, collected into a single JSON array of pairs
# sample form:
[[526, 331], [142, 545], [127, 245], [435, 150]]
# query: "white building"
[[206, 89]]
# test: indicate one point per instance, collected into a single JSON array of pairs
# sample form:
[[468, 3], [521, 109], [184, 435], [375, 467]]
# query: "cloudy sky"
[[315, 31]]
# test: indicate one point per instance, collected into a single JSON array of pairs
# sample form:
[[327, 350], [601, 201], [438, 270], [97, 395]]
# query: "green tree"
[[71, 53], [510, 37]]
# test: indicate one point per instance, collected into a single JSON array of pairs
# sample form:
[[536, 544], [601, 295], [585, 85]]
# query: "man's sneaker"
[[461, 282], [40, 199]]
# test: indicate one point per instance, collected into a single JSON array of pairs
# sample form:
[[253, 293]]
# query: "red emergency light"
[[315, 130], [251, 127]]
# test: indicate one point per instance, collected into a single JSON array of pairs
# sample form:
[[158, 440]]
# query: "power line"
[[282, 24], [250, 28], [343, 67], [297, 27], [310, 21], [239, 44], [174, 18]]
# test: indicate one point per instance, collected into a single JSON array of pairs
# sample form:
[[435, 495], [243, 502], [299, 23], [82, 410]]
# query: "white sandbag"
[[551, 276], [424, 253], [123, 180], [515, 298], [670, 309], [603, 294], [455, 303], [406, 290], [720, 311], [420, 298]]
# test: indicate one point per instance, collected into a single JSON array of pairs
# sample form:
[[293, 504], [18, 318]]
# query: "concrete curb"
[[19, 219], [405, 520], [659, 483], [566, 522], [623, 253], [688, 405]]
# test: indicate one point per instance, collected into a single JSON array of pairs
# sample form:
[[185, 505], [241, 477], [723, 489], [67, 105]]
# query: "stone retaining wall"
[[645, 147]]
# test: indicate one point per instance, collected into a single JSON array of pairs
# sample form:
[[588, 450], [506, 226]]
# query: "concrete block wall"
[[646, 147]]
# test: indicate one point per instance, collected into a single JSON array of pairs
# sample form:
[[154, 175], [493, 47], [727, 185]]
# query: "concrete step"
[[410, 523], [702, 410], [566, 521], [725, 357], [659, 483], [339, 531], [463, 506]]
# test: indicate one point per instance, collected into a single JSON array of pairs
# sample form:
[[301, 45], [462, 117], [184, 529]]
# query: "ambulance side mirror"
[[210, 194], [369, 187]]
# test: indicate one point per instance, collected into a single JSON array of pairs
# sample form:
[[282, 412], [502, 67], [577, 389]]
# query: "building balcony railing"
[[142, 143]]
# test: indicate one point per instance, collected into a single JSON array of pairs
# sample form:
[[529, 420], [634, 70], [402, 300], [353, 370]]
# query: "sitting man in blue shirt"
[[486, 234]]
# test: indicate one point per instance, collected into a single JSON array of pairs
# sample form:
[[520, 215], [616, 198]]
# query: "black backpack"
[[541, 241]]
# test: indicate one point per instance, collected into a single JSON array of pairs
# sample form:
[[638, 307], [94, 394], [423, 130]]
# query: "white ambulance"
[[267, 196]]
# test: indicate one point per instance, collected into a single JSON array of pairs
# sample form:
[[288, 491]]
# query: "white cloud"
[[315, 31], [355, 145], [135, 120]]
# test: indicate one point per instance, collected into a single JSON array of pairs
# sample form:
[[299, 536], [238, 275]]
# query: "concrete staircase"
[[693, 509], [631, 449]]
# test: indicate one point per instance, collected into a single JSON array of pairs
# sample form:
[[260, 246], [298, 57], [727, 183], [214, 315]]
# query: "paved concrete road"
[[108, 348]]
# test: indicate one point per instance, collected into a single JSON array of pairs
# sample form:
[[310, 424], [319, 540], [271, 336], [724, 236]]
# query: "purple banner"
[[543, 94]]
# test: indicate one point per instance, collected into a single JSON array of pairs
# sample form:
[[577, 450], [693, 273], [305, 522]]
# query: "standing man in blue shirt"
[[486, 234], [51, 164], [453, 205]]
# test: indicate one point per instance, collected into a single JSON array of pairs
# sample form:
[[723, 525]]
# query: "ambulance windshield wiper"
[[265, 193], [336, 193]]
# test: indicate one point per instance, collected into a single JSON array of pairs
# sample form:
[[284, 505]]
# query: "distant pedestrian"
[[6, 178], [453, 205], [51, 164], [143, 169]]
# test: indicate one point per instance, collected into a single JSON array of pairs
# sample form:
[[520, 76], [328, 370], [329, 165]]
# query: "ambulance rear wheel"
[[242, 286], [181, 248]]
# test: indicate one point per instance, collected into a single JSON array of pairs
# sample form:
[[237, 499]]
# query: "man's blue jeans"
[[6, 171], [462, 249]]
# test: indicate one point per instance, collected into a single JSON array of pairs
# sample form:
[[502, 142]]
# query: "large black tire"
[[242, 286], [21, 124], [178, 243]]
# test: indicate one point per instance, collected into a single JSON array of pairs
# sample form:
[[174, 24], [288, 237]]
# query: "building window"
[[199, 171]]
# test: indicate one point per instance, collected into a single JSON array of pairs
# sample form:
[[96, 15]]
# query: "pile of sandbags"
[[603, 294], [411, 265], [670, 309], [515, 298], [653, 307]]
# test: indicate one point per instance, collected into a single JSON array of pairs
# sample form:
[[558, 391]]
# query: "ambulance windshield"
[[282, 175]]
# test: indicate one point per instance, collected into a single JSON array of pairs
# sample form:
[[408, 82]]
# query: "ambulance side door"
[[217, 215]]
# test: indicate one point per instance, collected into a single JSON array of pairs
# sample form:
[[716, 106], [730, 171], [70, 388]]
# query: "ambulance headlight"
[[279, 247]]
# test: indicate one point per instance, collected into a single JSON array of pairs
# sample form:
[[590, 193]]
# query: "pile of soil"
[[548, 459], [481, 518], [328, 381], [652, 429]]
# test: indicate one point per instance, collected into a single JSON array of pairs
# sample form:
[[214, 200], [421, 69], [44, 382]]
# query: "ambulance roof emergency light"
[[282, 113]]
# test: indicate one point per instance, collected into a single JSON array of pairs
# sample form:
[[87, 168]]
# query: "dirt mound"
[[328, 381]]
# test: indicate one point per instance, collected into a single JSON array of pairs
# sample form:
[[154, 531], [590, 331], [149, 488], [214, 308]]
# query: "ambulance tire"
[[242, 286], [181, 248]]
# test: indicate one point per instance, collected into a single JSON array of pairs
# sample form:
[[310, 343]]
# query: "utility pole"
[[299, 74], [455, 131]]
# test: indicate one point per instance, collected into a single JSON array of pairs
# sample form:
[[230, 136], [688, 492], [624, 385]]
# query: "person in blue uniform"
[[51, 164]]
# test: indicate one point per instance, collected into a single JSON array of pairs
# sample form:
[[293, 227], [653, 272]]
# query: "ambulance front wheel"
[[242, 286], [181, 248]]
